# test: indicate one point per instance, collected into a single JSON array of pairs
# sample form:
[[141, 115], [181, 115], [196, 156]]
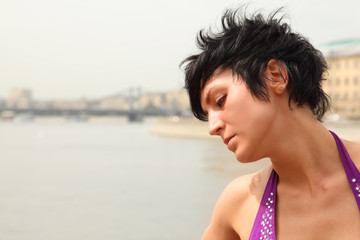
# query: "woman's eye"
[[220, 102]]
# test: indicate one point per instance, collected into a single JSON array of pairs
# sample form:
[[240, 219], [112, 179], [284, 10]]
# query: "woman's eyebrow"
[[206, 100], [208, 94]]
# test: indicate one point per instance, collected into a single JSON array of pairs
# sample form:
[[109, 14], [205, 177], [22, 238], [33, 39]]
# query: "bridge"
[[132, 115]]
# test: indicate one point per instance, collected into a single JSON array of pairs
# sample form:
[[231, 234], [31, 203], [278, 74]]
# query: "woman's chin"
[[242, 157]]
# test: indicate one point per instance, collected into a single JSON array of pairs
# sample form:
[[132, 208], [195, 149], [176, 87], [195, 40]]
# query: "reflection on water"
[[109, 181]]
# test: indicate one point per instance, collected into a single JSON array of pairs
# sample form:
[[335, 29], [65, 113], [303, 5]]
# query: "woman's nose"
[[215, 124]]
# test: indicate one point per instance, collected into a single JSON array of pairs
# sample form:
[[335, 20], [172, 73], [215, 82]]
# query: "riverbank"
[[193, 128], [184, 127], [180, 127]]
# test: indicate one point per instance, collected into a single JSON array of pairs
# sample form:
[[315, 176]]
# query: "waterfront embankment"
[[180, 127], [193, 128], [185, 127]]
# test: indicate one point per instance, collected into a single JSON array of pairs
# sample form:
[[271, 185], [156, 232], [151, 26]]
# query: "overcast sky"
[[68, 49]]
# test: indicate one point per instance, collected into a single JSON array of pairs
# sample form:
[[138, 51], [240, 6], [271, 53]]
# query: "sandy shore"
[[193, 128], [176, 127]]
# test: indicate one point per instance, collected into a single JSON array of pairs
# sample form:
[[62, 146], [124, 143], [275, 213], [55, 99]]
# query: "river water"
[[71, 181], [76, 181]]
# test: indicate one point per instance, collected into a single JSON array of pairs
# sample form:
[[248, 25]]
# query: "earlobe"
[[277, 75]]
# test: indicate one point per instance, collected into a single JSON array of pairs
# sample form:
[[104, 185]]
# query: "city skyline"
[[125, 92], [73, 49]]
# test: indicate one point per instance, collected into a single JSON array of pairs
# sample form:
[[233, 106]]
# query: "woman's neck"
[[305, 155]]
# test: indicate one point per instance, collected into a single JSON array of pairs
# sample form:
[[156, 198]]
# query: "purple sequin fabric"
[[264, 225]]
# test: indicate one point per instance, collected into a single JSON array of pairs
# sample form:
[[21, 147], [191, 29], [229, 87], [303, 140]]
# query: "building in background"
[[115, 102], [343, 80], [19, 98], [153, 101], [174, 102], [177, 102], [80, 104], [123, 101]]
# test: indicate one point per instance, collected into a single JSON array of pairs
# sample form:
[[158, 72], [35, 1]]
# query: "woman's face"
[[241, 120]]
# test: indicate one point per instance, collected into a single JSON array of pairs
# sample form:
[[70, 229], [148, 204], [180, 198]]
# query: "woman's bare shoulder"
[[248, 184], [236, 206], [242, 189]]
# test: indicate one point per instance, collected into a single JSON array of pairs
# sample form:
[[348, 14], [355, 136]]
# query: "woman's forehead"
[[217, 79]]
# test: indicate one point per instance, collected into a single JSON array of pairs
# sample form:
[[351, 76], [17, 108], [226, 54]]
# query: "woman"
[[259, 86]]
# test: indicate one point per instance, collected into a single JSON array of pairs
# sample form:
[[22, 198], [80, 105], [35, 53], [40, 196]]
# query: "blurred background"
[[97, 140]]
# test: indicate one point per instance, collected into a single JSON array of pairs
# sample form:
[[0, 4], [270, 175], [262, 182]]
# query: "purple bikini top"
[[264, 225]]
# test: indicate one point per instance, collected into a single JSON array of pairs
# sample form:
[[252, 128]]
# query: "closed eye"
[[220, 102]]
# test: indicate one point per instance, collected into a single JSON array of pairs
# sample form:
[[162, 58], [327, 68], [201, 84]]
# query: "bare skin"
[[314, 199]]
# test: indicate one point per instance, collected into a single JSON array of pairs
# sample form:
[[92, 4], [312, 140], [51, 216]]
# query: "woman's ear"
[[277, 76]]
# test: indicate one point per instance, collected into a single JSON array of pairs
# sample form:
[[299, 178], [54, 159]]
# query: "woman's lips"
[[230, 145], [228, 139]]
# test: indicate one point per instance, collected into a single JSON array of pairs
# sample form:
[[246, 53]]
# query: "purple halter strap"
[[351, 170], [264, 224]]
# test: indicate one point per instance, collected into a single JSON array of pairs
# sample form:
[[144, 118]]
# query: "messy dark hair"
[[246, 44]]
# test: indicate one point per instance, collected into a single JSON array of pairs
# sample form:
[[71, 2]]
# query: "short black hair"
[[246, 44]]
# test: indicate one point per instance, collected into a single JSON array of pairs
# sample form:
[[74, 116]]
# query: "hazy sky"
[[67, 49]]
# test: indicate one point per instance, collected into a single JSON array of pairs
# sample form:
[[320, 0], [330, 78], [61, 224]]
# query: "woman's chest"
[[334, 217]]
